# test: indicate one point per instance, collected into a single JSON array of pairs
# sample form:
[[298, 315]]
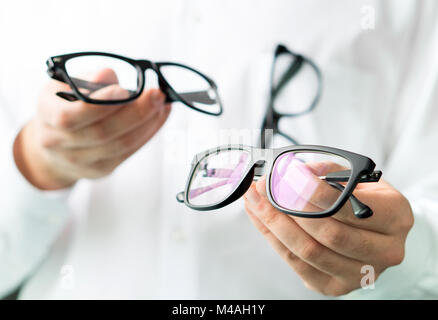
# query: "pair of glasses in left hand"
[[301, 180], [180, 83]]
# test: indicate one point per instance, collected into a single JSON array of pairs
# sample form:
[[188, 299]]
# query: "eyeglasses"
[[304, 181], [179, 83], [295, 89]]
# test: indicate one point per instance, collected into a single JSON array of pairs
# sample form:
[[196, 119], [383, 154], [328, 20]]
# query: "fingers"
[[340, 237], [105, 75], [120, 147], [328, 253], [373, 195], [312, 277], [357, 238], [106, 166], [300, 189], [63, 114], [359, 244], [378, 197], [111, 127], [297, 240]]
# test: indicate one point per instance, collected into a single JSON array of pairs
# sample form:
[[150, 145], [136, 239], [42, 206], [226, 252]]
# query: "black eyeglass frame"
[[362, 170], [272, 117], [57, 70]]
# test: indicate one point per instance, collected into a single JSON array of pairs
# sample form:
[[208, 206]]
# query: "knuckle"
[[48, 142], [395, 256], [264, 231], [261, 208], [63, 120], [401, 218], [99, 133], [268, 214], [365, 246], [291, 257], [71, 157], [334, 236], [261, 186], [408, 220], [311, 251]]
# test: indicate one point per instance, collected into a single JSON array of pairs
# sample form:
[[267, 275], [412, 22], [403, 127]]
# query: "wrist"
[[33, 163]]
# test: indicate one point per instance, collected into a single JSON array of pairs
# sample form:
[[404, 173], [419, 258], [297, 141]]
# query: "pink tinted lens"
[[217, 176], [297, 180]]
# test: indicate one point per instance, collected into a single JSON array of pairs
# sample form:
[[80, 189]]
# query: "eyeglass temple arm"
[[360, 210], [344, 176], [336, 176], [194, 96], [289, 74]]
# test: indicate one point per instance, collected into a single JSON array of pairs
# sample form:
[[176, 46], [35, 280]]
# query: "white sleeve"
[[30, 220], [413, 170], [417, 276]]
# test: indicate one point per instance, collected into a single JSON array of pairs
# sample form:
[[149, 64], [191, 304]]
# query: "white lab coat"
[[125, 236]]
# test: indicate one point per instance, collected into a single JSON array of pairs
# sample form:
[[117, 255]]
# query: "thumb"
[[261, 186], [111, 92], [106, 75]]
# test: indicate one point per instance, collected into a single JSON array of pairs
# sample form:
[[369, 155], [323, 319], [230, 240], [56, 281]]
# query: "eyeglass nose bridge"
[[170, 95], [259, 169]]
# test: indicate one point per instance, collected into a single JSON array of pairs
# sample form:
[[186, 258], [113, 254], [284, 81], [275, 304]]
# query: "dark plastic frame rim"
[[359, 165], [281, 49], [58, 63]]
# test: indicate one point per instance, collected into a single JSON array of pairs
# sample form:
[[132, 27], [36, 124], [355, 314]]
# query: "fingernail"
[[252, 196]]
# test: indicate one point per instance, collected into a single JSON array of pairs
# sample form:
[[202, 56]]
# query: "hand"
[[67, 141], [328, 253]]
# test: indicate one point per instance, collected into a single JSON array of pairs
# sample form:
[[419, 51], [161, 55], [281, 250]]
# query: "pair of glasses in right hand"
[[295, 90], [301, 180], [179, 83]]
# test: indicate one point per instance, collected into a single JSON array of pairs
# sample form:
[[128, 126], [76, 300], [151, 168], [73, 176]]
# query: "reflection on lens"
[[297, 181], [297, 91], [103, 78], [192, 88], [217, 176]]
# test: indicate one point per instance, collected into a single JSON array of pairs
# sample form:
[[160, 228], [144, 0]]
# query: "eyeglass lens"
[[103, 78], [297, 181], [216, 176]]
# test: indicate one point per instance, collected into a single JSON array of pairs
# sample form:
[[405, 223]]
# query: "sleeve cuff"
[[30, 220], [16, 175], [417, 276]]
